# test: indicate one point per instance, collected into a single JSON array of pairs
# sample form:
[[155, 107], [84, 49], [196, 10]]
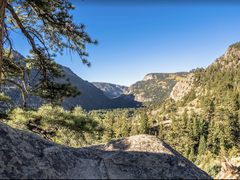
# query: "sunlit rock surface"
[[27, 155]]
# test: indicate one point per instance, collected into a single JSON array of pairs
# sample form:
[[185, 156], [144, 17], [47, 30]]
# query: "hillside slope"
[[201, 117], [154, 87], [91, 97], [110, 90]]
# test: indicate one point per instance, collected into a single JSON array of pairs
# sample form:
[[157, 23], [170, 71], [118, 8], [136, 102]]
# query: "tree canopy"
[[49, 29]]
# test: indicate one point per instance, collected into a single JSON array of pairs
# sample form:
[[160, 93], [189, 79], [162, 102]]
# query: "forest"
[[204, 125]]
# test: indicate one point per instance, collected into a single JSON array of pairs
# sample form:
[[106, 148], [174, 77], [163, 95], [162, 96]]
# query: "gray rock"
[[27, 155]]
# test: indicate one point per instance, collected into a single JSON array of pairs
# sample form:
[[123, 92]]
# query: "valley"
[[196, 113]]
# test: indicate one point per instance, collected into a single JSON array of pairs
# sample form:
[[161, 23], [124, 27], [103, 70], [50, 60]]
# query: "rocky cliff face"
[[182, 87], [26, 155], [149, 77], [231, 59], [154, 87]]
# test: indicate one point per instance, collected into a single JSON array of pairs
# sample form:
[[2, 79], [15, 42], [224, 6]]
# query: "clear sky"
[[137, 37]]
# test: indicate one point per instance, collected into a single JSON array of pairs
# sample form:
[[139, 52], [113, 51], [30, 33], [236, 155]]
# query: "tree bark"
[[3, 4]]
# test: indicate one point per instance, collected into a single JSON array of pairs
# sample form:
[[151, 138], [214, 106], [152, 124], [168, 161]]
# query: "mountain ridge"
[[109, 89], [91, 97], [154, 87]]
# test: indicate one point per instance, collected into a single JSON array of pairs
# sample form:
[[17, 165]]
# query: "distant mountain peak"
[[110, 90], [91, 97], [154, 87], [231, 58], [151, 76]]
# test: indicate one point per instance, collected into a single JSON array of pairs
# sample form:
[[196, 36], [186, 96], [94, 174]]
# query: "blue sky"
[[146, 36]]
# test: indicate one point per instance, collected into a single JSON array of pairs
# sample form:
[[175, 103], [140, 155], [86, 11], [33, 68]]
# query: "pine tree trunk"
[[3, 4]]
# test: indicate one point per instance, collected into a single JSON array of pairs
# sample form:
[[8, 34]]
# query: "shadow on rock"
[[24, 155]]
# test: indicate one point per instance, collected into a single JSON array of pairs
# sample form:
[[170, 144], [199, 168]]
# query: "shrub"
[[69, 128]]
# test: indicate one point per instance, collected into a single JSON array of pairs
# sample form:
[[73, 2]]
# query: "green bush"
[[213, 167], [69, 128]]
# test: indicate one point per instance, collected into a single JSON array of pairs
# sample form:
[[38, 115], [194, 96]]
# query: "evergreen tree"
[[176, 137], [134, 130], [185, 116], [109, 133], [217, 137], [172, 106], [202, 127], [219, 115], [161, 130], [208, 107], [191, 155], [202, 146], [48, 27], [143, 128], [195, 129], [189, 138], [125, 127], [117, 127], [210, 135]]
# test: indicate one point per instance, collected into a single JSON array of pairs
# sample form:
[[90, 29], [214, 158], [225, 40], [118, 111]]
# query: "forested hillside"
[[154, 87], [201, 119]]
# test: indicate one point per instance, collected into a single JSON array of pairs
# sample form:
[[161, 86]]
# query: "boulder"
[[29, 156]]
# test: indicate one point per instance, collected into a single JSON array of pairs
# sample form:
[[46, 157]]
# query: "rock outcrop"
[[228, 171], [182, 87], [149, 77], [154, 87], [29, 156]]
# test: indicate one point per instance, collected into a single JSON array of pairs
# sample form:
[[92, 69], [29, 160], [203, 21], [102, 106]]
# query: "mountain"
[[222, 75], [154, 87], [110, 90], [91, 97], [200, 119], [211, 90]]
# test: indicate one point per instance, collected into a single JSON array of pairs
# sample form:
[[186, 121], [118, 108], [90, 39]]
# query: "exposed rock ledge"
[[182, 87], [27, 155]]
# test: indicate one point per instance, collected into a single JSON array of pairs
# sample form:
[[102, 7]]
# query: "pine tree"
[[210, 135], [161, 130], [185, 116], [117, 127], [195, 128], [48, 27], [202, 146], [172, 134], [134, 130], [202, 127], [143, 128], [176, 136], [191, 155], [109, 133], [208, 107], [125, 127]]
